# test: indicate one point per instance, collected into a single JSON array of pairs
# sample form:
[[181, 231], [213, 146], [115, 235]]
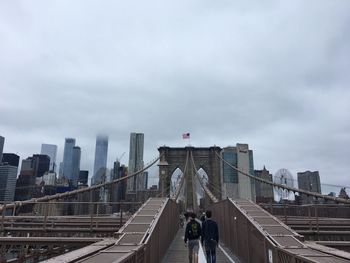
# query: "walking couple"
[[208, 233]]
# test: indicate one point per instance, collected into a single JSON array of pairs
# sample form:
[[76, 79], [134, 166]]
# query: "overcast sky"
[[273, 74]]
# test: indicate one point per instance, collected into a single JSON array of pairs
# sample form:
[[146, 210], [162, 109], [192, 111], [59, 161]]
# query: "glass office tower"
[[51, 151], [68, 157], [100, 164], [136, 183]]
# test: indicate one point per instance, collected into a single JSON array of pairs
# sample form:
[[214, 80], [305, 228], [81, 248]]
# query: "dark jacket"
[[193, 230], [210, 231]]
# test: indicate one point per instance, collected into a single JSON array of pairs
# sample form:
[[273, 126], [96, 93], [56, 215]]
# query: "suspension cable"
[[178, 188], [285, 187], [212, 186], [78, 191], [206, 189]]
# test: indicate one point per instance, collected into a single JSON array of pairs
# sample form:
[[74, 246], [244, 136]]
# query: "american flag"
[[186, 135]]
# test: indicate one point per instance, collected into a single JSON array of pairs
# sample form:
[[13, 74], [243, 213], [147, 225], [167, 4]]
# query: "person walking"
[[210, 237], [193, 233], [202, 218]]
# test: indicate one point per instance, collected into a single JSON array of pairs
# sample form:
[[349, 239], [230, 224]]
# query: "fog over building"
[[51, 151], [136, 162], [100, 164], [68, 157]]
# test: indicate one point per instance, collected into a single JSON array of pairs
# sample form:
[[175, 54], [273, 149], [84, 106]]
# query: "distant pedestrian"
[[182, 219], [193, 233], [210, 237], [202, 217], [186, 214]]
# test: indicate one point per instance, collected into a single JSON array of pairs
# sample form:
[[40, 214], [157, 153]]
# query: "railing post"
[[121, 215], [309, 212], [91, 217], [271, 208], [3, 219], [317, 227], [45, 214], [14, 210], [97, 213], [13, 215]]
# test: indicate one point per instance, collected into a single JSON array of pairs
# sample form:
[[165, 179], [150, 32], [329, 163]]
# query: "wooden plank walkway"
[[178, 253]]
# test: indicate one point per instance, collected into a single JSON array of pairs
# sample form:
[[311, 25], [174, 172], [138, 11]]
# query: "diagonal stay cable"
[[206, 189], [178, 189], [285, 187]]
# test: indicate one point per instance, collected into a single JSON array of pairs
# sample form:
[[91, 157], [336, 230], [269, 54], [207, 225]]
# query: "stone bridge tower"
[[205, 158]]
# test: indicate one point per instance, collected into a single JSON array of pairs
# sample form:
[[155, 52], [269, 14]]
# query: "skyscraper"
[[68, 157], [236, 184], [41, 164], [83, 177], [2, 141], [264, 192], [60, 170], [100, 164], [11, 159], [116, 188], [75, 166], [136, 183], [8, 175], [145, 180], [309, 181], [51, 151], [26, 180]]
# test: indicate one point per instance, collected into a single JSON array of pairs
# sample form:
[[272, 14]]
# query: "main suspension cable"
[[285, 187], [75, 192]]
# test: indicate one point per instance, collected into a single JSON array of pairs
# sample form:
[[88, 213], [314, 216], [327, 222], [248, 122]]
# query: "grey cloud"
[[271, 74]]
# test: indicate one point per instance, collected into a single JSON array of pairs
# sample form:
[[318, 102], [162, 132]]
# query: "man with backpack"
[[193, 233], [210, 237]]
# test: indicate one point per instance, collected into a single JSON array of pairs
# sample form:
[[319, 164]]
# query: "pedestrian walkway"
[[178, 253]]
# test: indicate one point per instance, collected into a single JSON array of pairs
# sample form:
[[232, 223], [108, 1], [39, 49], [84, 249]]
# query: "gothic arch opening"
[[175, 181], [199, 189]]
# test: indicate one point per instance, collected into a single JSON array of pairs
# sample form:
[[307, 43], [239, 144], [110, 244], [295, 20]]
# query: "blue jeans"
[[210, 250], [211, 256]]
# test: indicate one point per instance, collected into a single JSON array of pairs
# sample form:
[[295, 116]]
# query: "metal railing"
[[159, 237], [254, 235], [162, 233], [144, 238]]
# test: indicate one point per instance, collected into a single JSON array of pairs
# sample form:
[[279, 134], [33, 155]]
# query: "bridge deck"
[[178, 253]]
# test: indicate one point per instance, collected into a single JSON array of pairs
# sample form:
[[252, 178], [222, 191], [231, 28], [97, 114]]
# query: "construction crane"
[[121, 156]]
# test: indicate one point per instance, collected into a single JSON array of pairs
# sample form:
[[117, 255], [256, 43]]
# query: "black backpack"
[[194, 230]]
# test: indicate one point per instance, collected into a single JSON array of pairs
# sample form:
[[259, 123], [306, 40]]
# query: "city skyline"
[[327, 187], [270, 74]]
